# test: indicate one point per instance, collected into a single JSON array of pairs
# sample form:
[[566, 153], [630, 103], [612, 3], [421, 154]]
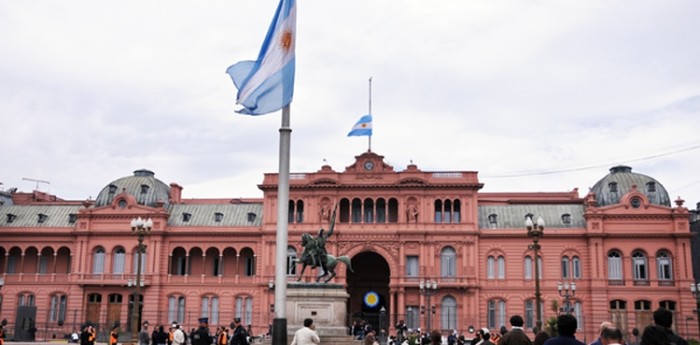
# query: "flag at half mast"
[[267, 84], [362, 127]]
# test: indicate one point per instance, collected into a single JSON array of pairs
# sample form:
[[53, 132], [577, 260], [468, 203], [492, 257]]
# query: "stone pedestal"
[[326, 304]]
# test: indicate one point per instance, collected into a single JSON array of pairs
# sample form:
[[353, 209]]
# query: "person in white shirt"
[[178, 336], [306, 335]]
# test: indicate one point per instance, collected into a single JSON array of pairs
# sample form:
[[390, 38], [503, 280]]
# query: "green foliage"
[[692, 341], [551, 327], [413, 340]]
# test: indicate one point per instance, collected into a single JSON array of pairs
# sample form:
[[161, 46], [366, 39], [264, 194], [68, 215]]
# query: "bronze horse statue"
[[330, 265]]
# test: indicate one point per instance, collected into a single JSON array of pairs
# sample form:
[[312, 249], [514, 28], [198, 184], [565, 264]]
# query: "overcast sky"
[[91, 91]]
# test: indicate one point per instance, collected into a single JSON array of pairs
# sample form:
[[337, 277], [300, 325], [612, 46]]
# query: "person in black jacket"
[[664, 318], [240, 336], [201, 336]]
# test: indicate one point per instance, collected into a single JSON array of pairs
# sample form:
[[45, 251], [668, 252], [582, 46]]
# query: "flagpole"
[[369, 137], [279, 324]]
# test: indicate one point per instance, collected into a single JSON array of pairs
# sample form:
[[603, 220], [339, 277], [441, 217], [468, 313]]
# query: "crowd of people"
[[175, 335], [659, 333]]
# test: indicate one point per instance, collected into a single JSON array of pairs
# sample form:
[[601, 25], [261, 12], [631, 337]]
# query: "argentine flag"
[[267, 84], [362, 127]]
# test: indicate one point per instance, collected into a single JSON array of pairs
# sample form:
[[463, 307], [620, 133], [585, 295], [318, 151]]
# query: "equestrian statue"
[[316, 256]]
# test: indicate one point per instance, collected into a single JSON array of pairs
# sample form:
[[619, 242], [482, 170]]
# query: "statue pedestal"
[[326, 304]]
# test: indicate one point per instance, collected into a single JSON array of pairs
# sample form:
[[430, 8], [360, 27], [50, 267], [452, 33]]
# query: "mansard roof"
[[215, 215], [38, 216], [513, 216]]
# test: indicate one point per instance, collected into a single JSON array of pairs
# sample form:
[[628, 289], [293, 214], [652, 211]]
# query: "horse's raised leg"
[[331, 277]]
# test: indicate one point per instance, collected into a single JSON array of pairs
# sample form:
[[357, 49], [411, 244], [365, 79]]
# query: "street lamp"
[[535, 231], [567, 291], [695, 289], [141, 228], [428, 288]]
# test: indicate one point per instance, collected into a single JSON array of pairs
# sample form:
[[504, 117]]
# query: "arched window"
[[448, 313], [356, 210], [642, 313], [618, 313], [176, 308], [381, 210], [501, 267], [576, 267], [438, 211], [496, 313], [300, 211], [663, 262], [456, 211], [614, 266], [98, 261], [565, 267], [291, 261], [369, 211], [210, 309], [448, 211], [448, 262], [490, 269], [244, 309], [57, 309], [527, 269], [118, 260], [639, 267]]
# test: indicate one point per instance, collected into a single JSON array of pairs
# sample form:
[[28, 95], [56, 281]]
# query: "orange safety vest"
[[223, 338], [170, 336], [113, 338]]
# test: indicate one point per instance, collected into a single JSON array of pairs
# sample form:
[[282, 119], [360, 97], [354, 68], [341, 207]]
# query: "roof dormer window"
[[186, 216], [72, 218], [41, 218], [251, 217], [11, 217], [566, 218], [651, 187], [218, 216], [144, 188], [112, 189], [493, 220], [612, 186]]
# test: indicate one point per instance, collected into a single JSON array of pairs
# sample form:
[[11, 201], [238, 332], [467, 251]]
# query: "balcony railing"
[[616, 282]]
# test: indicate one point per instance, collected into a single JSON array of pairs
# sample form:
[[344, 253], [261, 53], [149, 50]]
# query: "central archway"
[[368, 287]]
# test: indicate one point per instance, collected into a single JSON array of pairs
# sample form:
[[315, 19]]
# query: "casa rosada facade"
[[625, 245]]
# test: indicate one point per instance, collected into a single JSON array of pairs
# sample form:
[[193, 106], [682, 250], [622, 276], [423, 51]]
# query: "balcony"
[[667, 283], [616, 282], [111, 279], [36, 278], [641, 283]]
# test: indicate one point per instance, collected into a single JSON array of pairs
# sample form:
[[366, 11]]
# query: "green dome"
[[619, 182], [147, 189]]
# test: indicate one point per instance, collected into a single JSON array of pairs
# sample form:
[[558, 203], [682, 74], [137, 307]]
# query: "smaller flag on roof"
[[362, 127]]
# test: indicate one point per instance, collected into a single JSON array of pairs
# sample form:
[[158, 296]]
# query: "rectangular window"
[[527, 270], [412, 317], [501, 267], [239, 307], [43, 264], [490, 267], [172, 311], [578, 313], [411, 266], [614, 268], [664, 269], [214, 311], [576, 265], [53, 309], [181, 309], [491, 314], [205, 307], [248, 311], [62, 307], [640, 269], [249, 266], [501, 313], [529, 314]]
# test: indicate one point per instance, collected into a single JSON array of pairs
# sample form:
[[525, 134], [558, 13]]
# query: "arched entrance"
[[368, 287]]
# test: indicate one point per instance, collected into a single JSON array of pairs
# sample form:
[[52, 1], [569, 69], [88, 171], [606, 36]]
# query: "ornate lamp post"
[[567, 291], [428, 288], [141, 228], [695, 289], [535, 231]]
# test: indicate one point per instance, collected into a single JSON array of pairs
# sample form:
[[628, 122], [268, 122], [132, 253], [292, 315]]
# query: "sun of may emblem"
[[286, 40]]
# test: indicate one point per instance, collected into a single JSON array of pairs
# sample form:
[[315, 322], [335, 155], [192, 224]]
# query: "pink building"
[[624, 245]]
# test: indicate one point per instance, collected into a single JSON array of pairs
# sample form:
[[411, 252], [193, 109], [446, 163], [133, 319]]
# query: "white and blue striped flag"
[[362, 127], [267, 84]]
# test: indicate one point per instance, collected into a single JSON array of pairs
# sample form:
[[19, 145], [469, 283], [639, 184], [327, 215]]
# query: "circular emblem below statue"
[[371, 299]]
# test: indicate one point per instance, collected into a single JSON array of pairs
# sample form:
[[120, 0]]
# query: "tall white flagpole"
[[369, 137], [279, 326]]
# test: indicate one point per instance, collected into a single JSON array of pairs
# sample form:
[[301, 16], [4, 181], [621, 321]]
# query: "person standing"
[[178, 337], [485, 336], [240, 336], [567, 325], [201, 335], [401, 330], [306, 335], [516, 336], [603, 326], [143, 334], [114, 336], [664, 318], [611, 336], [2, 335], [222, 338]]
